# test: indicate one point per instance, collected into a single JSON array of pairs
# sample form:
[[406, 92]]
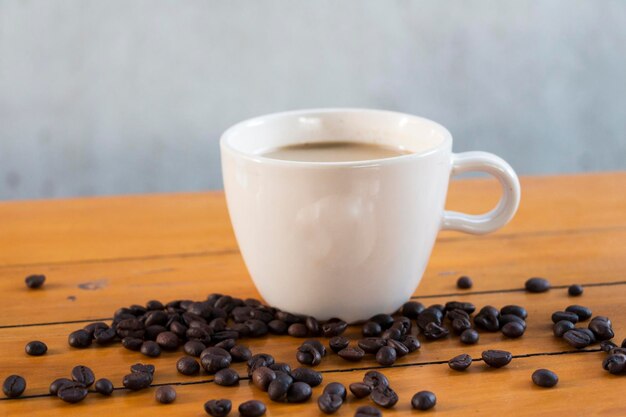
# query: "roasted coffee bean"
[[240, 353], [317, 345], [464, 283], [360, 389], [411, 342], [156, 317], [618, 351], [215, 359], [440, 307], [92, 327], [601, 328], [490, 310], [513, 329], [299, 392], [412, 309], [507, 318], [58, 383], [386, 356], [434, 331], [557, 316], [607, 346], [497, 358], [34, 281], [178, 329], [583, 313], [277, 390], [152, 332], [281, 366], [562, 327], [137, 380], [84, 375], [187, 366], [308, 355], [79, 339], [488, 322], [313, 326], [460, 363], [352, 353], [335, 328], [459, 325], [72, 393], [284, 377], [469, 308], [384, 397], [298, 330], [105, 336], [218, 408], [145, 368], [329, 403], [424, 400], [226, 377], [132, 343], [277, 327], [367, 411], [371, 344], [516, 310], [577, 338], [615, 364], [399, 347], [13, 386], [456, 314], [252, 408], [132, 327], [403, 324], [375, 379], [338, 343], [392, 333], [575, 290], [371, 329], [537, 285], [165, 394], [150, 348], [231, 334], [193, 348], [227, 344], [154, 305], [198, 334], [104, 386], [429, 315], [336, 388], [308, 375], [36, 348], [260, 359], [384, 320], [262, 377], [545, 378], [288, 317], [469, 337]]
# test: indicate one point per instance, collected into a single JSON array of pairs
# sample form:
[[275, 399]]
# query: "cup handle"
[[507, 206]]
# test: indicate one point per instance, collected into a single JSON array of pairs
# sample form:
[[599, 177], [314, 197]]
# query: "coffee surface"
[[334, 152]]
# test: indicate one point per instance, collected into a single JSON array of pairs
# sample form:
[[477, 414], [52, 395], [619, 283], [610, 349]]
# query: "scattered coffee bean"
[[308, 375], [84, 375], [218, 408], [150, 348], [583, 313], [13, 386], [308, 355], [36, 348], [336, 388], [516, 310], [424, 400], [508, 318], [277, 327], [607, 346], [456, 314], [352, 353], [79, 339], [537, 285], [105, 336], [360, 389], [35, 281], [227, 344], [226, 377], [299, 392], [104, 386], [334, 328], [165, 394], [371, 344], [513, 330], [469, 337], [367, 411], [557, 316], [137, 381], [399, 347], [545, 378], [167, 341], [460, 363], [262, 377], [375, 379], [464, 283], [429, 315], [562, 327], [194, 348], [298, 330], [284, 377], [213, 359], [313, 326], [615, 363], [386, 356], [577, 338], [459, 325], [411, 309], [58, 383], [132, 343], [317, 345], [469, 308], [497, 358], [411, 342], [72, 393], [240, 353], [371, 329], [434, 331], [601, 328], [329, 403], [384, 320], [145, 368], [384, 396], [487, 321], [277, 390], [575, 290], [281, 366], [338, 343]]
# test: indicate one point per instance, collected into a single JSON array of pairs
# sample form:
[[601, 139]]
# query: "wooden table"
[[103, 253]]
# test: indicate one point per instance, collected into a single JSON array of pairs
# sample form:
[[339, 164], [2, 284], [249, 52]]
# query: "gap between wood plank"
[[330, 371]]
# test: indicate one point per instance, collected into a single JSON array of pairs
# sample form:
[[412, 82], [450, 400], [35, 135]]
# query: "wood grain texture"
[[100, 254]]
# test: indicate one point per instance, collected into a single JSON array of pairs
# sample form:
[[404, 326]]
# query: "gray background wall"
[[126, 96]]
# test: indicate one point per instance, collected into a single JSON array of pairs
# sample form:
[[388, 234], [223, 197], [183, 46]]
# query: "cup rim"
[[255, 121]]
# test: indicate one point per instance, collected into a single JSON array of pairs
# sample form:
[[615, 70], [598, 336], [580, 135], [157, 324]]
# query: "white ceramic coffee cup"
[[347, 239]]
